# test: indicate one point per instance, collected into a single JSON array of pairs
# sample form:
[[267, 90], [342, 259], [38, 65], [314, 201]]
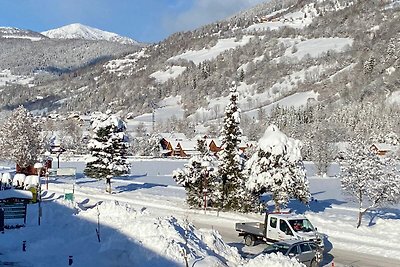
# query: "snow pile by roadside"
[[128, 237], [272, 260], [166, 236]]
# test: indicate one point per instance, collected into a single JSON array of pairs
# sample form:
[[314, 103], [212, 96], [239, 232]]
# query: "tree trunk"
[[360, 215], [277, 207], [360, 211]]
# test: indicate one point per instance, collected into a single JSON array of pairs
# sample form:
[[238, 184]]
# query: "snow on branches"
[[198, 177], [234, 195], [277, 167], [372, 180], [108, 147], [21, 139]]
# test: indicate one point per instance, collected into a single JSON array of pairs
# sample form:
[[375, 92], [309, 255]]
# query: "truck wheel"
[[249, 240]]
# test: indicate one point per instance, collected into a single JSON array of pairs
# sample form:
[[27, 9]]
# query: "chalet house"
[[177, 145], [186, 149], [214, 145], [169, 142], [381, 149]]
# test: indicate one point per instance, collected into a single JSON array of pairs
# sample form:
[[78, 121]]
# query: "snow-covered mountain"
[[79, 31], [15, 33]]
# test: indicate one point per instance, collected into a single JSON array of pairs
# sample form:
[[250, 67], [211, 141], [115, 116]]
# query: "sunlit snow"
[[169, 73], [222, 45]]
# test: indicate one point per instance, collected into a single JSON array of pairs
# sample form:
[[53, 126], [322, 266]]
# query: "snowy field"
[[7, 78], [211, 53], [168, 108], [145, 222], [298, 48], [296, 20], [169, 73]]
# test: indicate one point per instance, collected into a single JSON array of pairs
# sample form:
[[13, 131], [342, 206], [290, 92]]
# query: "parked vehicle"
[[306, 252], [278, 227]]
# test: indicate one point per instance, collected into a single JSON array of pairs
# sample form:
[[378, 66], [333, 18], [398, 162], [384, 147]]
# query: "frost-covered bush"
[[277, 167], [21, 139]]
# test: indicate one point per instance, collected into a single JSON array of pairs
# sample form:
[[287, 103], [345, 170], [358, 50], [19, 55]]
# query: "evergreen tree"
[[234, 195], [277, 167], [371, 180], [108, 147], [198, 177], [20, 138]]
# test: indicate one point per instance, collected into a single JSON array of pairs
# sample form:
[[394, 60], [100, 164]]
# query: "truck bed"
[[254, 228]]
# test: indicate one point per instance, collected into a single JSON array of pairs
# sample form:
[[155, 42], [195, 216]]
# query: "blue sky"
[[143, 20]]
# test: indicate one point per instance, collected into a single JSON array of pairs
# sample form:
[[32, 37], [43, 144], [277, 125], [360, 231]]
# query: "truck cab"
[[278, 227], [284, 226]]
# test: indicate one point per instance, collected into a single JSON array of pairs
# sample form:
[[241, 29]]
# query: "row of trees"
[[234, 184], [23, 142]]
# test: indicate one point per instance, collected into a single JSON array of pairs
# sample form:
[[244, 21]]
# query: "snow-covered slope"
[[79, 31], [15, 33]]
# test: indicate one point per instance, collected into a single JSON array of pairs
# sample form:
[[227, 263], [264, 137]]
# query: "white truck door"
[[285, 232], [272, 228]]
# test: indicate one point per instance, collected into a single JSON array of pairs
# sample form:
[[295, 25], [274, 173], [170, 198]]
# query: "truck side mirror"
[[316, 229], [291, 255]]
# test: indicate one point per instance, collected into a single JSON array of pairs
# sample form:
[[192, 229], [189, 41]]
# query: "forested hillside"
[[341, 58]]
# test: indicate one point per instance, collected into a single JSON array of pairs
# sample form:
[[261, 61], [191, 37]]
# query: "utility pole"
[[153, 114]]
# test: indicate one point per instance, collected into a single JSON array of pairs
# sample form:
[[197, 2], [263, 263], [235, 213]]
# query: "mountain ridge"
[[329, 52], [80, 31]]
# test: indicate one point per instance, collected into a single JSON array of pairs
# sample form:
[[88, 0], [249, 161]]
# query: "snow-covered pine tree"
[[234, 195], [108, 147], [197, 176], [373, 181], [277, 167], [20, 138]]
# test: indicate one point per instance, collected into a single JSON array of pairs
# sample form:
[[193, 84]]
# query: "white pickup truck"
[[277, 227]]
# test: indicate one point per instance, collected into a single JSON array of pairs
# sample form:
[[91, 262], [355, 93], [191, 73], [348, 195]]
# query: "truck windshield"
[[275, 248], [302, 225]]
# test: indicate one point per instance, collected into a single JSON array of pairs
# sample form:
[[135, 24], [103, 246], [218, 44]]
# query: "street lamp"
[[39, 167], [47, 155], [206, 171], [58, 150]]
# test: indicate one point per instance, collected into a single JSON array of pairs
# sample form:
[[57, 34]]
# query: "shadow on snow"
[[136, 186], [63, 234]]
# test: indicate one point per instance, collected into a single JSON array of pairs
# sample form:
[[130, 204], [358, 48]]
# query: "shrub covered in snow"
[[199, 177], [277, 167], [20, 138]]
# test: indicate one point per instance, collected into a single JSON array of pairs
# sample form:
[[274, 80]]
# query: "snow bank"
[[129, 237], [272, 260]]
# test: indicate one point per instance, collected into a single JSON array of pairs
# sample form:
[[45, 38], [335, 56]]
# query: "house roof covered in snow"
[[383, 146], [15, 193], [173, 136]]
